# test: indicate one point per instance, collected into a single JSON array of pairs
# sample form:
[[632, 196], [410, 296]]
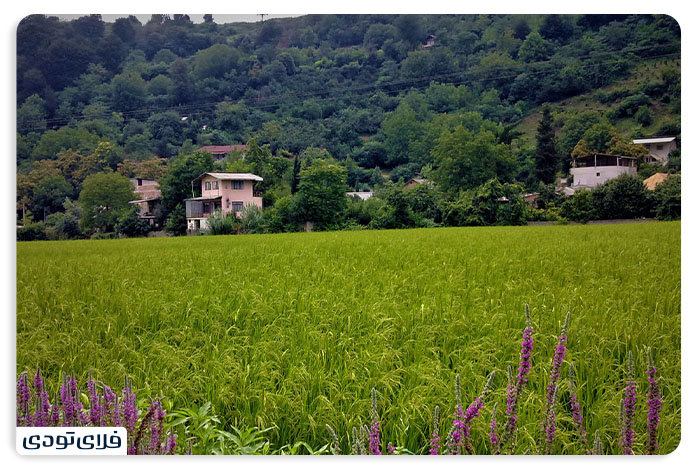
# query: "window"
[[215, 185], [659, 147], [237, 184], [237, 206], [140, 182], [206, 207], [598, 174], [207, 185]]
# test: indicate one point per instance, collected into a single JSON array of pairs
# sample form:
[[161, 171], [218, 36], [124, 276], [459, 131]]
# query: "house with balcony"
[[658, 147], [228, 192], [149, 198], [593, 169]]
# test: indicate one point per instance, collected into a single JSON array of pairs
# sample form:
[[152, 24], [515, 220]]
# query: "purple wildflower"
[[129, 408], [629, 410], [463, 419], [43, 405], [552, 387], [391, 450], [335, 446], [597, 448], [55, 412], [520, 382], [435, 439], [110, 409], [171, 444], [493, 428], [23, 399], [374, 429], [95, 408], [654, 406], [576, 411], [157, 426]]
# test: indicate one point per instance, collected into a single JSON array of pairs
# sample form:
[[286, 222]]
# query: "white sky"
[[219, 18]]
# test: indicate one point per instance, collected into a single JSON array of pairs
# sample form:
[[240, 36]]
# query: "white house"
[[658, 147], [361, 195], [594, 169]]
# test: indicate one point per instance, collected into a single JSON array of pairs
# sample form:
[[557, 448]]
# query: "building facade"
[[224, 191], [594, 169], [658, 147]]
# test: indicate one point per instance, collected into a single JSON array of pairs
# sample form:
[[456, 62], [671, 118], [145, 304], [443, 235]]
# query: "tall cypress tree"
[[546, 157]]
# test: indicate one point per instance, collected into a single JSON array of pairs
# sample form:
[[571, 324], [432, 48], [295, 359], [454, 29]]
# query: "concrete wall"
[[593, 176], [661, 155]]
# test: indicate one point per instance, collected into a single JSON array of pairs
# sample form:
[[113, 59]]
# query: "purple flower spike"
[[23, 399], [628, 410], [157, 426], [435, 439], [493, 428], [171, 444], [516, 386], [95, 408], [374, 429], [552, 388], [654, 396]]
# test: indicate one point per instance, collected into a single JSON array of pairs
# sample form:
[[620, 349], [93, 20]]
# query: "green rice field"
[[292, 331]]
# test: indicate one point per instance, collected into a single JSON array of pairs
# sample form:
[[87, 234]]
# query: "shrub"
[[130, 224], [252, 219], [667, 199], [579, 207], [223, 224], [621, 198], [31, 232]]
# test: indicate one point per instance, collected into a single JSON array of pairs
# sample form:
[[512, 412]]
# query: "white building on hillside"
[[594, 169], [658, 147]]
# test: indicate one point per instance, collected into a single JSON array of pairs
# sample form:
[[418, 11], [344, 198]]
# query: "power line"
[[288, 96]]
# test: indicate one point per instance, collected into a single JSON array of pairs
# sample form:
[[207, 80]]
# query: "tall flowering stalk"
[[95, 407], [335, 446], [43, 405], [628, 410], [654, 396], [493, 428], [552, 387], [23, 399], [576, 411], [374, 429], [518, 384], [435, 438], [157, 427], [597, 448]]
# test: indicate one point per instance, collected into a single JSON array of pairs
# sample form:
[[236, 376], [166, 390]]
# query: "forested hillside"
[[379, 95]]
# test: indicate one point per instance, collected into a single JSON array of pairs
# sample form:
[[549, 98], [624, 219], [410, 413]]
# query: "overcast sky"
[[220, 19]]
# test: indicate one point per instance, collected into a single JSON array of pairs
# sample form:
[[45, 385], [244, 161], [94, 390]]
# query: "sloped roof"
[[223, 149], [647, 140], [230, 176], [655, 180]]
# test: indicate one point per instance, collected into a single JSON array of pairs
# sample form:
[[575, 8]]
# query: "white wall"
[[587, 176]]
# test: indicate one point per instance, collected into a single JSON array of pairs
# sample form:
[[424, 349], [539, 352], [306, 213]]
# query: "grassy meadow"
[[293, 330]]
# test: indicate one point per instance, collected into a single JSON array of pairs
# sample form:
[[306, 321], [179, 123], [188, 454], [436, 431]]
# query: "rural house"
[[220, 152], [149, 198], [658, 147], [228, 192], [594, 169]]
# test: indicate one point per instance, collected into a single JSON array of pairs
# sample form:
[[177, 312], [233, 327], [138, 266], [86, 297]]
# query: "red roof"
[[223, 149]]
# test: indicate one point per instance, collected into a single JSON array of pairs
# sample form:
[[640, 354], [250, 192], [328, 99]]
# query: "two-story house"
[[225, 191], [149, 198], [658, 147]]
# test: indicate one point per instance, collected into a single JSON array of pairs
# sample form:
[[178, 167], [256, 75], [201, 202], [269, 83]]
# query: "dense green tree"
[[31, 116], [321, 197], [535, 48], [49, 195], [546, 157], [129, 92], [103, 197], [465, 159], [621, 198], [667, 199], [176, 183]]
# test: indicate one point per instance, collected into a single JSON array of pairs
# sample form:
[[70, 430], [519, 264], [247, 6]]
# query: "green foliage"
[[220, 224], [623, 197], [546, 156], [49, 195], [32, 232], [580, 207], [103, 197], [176, 184], [130, 224], [535, 48], [667, 199], [465, 159], [321, 197], [176, 223]]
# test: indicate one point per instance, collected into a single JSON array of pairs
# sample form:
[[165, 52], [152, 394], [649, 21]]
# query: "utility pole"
[[263, 16]]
